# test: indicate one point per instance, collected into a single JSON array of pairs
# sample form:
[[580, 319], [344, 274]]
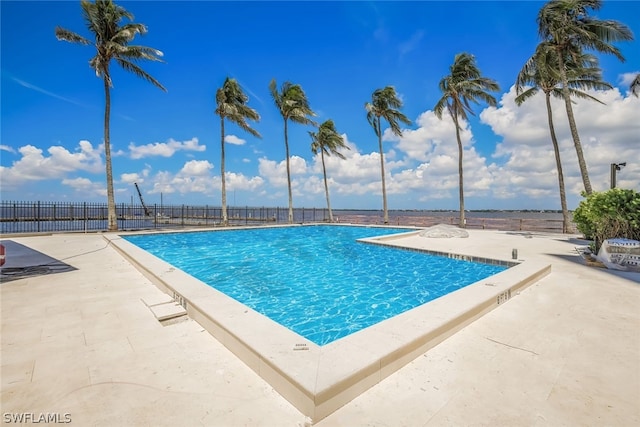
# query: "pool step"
[[165, 309]]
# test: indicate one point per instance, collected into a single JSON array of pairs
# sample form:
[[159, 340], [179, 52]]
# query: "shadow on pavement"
[[22, 262]]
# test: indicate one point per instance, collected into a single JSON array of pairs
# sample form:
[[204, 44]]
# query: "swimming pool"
[[317, 281], [321, 379]]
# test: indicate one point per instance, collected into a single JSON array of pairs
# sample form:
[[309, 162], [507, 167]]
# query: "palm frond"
[[231, 105], [103, 18], [372, 117], [63, 34], [292, 103], [385, 103], [135, 69], [635, 85], [526, 94], [542, 71], [600, 34], [275, 95], [463, 86], [128, 32], [567, 24], [440, 106], [136, 53], [328, 140]]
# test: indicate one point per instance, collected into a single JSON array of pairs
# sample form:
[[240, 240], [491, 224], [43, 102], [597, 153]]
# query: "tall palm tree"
[[385, 104], [293, 105], [231, 104], [328, 142], [463, 85], [567, 25], [540, 73], [103, 18]]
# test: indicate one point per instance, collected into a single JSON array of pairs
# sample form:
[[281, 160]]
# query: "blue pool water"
[[315, 280]]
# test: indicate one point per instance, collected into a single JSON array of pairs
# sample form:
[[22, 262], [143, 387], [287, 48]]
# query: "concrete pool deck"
[[565, 351]]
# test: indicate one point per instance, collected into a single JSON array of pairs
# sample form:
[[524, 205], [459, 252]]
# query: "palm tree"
[[540, 73], [293, 105], [635, 85], [385, 104], [566, 24], [112, 40], [327, 141], [465, 84], [231, 104]]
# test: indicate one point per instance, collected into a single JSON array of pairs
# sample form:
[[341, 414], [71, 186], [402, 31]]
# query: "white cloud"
[[35, 166], [130, 178], [164, 149], [421, 166], [608, 134], [626, 78], [236, 181], [139, 177], [232, 139], [275, 173], [196, 168], [86, 187], [419, 143], [196, 178], [162, 183], [357, 168]]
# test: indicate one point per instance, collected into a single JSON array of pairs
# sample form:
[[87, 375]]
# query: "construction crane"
[[147, 212]]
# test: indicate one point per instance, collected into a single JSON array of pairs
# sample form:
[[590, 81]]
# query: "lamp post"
[[614, 168]]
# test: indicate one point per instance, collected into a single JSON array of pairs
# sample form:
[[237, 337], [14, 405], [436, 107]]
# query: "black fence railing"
[[18, 217], [43, 217]]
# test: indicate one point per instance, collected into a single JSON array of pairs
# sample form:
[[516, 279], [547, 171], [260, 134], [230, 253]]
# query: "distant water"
[[446, 214]]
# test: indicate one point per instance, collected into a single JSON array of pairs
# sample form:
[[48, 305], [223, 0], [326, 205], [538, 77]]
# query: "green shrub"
[[609, 214]]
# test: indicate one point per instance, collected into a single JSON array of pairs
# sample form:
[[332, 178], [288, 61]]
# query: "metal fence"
[[46, 217], [19, 217]]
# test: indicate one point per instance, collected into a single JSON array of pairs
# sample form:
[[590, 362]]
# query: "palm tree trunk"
[[326, 185], [556, 150], [572, 125], [462, 222], [286, 148], [111, 201], [225, 218], [385, 212]]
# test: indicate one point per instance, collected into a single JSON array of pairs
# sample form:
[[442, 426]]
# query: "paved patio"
[[82, 343]]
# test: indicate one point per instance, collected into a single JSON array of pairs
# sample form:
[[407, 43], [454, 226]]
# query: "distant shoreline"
[[454, 210]]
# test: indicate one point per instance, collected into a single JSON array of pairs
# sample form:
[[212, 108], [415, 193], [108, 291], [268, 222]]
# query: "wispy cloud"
[[127, 118], [626, 78], [7, 148], [46, 92], [409, 45], [252, 93], [381, 34]]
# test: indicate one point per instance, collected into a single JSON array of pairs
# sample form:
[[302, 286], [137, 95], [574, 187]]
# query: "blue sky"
[[52, 106]]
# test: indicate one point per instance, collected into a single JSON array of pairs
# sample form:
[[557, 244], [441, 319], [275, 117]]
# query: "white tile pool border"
[[319, 380]]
